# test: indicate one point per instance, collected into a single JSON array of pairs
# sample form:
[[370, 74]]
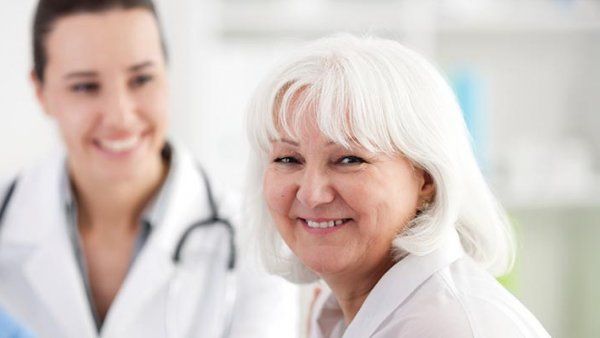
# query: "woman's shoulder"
[[45, 167], [463, 300], [39, 175]]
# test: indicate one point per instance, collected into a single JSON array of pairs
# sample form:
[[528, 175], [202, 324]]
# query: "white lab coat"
[[41, 285], [442, 294]]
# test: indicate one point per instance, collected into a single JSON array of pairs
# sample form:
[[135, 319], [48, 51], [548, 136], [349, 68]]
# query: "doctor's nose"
[[315, 188], [119, 109]]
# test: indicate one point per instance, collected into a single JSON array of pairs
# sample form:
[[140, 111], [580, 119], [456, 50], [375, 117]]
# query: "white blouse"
[[442, 294]]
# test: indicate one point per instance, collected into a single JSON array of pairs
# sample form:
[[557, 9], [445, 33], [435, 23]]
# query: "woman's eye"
[[351, 160], [87, 87], [286, 160], [141, 80]]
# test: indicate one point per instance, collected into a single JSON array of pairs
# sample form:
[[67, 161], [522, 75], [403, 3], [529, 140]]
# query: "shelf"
[[320, 17], [590, 200]]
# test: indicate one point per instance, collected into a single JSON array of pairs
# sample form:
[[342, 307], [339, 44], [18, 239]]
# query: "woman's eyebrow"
[[284, 140], [81, 74], [296, 144], [140, 66], [91, 74]]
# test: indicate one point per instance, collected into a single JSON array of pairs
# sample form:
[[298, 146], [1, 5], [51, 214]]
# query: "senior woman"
[[366, 174]]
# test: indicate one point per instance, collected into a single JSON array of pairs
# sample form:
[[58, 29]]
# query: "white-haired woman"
[[366, 173]]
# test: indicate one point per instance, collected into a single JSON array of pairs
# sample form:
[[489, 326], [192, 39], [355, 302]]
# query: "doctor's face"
[[339, 209], [105, 84]]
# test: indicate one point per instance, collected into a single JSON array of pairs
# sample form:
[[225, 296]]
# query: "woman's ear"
[[38, 86], [427, 187]]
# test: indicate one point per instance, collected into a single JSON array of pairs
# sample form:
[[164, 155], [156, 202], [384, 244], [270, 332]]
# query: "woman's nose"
[[119, 108], [315, 188]]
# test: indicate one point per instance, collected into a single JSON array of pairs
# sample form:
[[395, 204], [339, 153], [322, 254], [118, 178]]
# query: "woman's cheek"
[[281, 193], [271, 190]]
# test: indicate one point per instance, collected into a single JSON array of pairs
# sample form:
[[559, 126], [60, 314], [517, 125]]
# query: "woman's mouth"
[[120, 147], [323, 225]]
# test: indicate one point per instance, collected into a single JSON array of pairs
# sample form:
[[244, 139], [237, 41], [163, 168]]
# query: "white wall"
[[25, 133]]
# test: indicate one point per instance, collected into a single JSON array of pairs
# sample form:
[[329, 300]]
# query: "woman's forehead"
[[302, 139], [118, 38]]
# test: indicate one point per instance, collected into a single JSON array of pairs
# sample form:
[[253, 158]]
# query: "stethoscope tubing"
[[214, 219]]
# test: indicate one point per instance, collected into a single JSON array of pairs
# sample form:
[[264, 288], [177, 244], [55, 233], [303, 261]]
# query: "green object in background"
[[510, 280], [469, 89]]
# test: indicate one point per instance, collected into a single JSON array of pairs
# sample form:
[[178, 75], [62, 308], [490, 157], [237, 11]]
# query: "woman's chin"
[[125, 165], [325, 266], [125, 172]]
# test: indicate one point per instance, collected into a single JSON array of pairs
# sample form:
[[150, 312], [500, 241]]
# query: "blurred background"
[[526, 72]]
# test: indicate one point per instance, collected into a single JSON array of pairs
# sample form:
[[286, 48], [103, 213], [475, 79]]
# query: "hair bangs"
[[341, 103]]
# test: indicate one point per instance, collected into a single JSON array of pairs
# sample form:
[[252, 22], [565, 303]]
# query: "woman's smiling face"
[[339, 209], [105, 84]]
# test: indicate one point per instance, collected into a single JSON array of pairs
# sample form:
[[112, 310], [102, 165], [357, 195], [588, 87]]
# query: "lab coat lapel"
[[37, 227], [150, 273], [154, 269], [53, 275], [398, 283]]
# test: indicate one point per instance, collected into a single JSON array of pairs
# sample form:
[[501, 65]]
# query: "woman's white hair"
[[386, 98]]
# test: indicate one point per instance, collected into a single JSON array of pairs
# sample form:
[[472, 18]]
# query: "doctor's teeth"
[[323, 225], [120, 145]]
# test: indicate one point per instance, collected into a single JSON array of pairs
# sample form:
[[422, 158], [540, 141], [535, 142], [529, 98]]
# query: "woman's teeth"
[[121, 145], [323, 225]]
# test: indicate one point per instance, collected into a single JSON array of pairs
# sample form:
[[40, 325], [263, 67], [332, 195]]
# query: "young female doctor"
[[122, 236]]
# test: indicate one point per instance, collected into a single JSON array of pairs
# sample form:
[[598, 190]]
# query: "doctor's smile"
[[120, 148], [130, 237], [118, 145]]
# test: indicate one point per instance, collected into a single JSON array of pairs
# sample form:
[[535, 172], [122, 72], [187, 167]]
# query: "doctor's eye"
[[286, 160], [85, 87], [350, 160], [140, 80]]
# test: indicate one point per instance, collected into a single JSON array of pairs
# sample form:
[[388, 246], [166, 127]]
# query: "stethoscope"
[[230, 278], [213, 220]]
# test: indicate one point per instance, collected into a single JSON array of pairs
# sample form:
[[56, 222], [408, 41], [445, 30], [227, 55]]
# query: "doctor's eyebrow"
[[80, 74], [140, 66], [91, 74]]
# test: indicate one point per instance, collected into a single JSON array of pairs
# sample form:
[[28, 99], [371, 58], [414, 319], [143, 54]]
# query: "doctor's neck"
[[115, 203]]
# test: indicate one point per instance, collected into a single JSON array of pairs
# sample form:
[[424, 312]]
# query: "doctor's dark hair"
[[49, 11]]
